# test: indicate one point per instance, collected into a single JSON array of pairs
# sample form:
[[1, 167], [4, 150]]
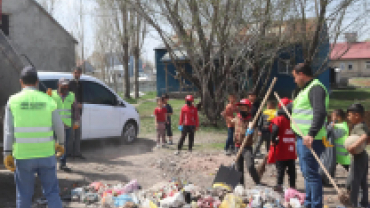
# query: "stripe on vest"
[[303, 111], [339, 145], [304, 122], [342, 153], [60, 110], [34, 140], [31, 129], [65, 116]]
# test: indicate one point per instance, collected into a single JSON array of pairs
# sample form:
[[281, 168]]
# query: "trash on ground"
[[181, 194]]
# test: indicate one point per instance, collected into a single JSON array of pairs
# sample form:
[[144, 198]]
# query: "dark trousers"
[[230, 138], [247, 156], [187, 130], [265, 137], [67, 133], [357, 179], [169, 129], [289, 166]]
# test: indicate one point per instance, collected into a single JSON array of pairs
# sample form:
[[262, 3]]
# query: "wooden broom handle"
[[255, 119], [312, 151]]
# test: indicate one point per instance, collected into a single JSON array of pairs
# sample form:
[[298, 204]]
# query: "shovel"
[[342, 195], [229, 175]]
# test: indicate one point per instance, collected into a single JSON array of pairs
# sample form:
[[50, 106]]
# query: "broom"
[[342, 194]]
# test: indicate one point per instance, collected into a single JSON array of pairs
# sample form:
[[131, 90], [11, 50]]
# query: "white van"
[[104, 113]]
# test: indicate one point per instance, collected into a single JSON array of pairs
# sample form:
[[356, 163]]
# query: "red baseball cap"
[[285, 101], [189, 98], [244, 102]]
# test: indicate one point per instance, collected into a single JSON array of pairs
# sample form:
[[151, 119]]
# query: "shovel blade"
[[228, 175]]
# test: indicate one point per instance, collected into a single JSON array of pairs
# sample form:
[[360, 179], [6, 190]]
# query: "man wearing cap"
[[76, 87], [309, 113], [66, 104], [30, 122], [241, 123]]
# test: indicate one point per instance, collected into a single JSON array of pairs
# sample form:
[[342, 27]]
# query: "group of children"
[[188, 122], [275, 129]]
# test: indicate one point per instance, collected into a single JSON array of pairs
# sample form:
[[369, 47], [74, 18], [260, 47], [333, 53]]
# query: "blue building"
[[169, 81]]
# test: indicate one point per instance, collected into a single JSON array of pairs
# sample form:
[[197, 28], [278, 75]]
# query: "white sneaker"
[[158, 146], [177, 152]]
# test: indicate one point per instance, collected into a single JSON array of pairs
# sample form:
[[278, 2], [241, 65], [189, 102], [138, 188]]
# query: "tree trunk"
[[115, 82], [136, 72], [126, 82]]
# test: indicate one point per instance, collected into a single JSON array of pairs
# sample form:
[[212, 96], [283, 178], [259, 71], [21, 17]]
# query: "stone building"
[[35, 33]]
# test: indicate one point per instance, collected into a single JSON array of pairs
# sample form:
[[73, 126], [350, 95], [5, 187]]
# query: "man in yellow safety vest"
[[30, 122], [309, 113], [66, 103]]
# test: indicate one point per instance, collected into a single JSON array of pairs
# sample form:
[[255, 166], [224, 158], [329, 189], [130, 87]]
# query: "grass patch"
[[147, 96], [342, 98]]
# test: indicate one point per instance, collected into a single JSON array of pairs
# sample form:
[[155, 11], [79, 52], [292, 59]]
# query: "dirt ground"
[[111, 162]]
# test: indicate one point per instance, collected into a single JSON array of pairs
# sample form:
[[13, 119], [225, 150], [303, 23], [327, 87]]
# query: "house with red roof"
[[351, 59]]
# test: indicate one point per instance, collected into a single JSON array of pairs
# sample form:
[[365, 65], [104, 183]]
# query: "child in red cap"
[[188, 124], [241, 122], [283, 147]]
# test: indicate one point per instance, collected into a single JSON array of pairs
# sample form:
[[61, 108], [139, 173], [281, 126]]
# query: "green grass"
[[342, 98], [147, 96]]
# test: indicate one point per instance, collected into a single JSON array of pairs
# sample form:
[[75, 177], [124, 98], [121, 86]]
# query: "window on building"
[[342, 66], [5, 24], [283, 66], [367, 64], [350, 66]]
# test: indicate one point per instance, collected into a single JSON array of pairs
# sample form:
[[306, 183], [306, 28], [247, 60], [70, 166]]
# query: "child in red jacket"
[[189, 123], [160, 113], [283, 148]]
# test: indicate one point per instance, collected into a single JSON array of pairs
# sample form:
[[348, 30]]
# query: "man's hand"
[[79, 106], [76, 125], [307, 141], [259, 133], [223, 113], [59, 149], [9, 163]]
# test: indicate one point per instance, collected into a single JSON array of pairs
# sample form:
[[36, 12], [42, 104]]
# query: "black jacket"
[[76, 87]]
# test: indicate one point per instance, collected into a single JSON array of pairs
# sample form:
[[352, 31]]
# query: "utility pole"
[[82, 39]]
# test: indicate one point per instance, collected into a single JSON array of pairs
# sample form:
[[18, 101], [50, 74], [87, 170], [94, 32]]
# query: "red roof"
[[360, 50]]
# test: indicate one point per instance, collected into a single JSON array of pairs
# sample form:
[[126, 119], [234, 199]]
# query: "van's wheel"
[[129, 132]]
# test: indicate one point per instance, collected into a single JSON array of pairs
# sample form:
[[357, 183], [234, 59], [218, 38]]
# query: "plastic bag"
[[232, 201], [177, 200], [122, 200], [271, 157]]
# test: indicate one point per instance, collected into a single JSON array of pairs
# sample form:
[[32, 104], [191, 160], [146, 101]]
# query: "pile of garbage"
[[182, 194]]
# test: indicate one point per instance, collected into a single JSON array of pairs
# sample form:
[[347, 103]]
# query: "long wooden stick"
[[255, 119], [312, 151]]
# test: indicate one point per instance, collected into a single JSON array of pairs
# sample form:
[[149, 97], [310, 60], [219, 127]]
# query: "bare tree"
[[140, 33], [228, 42]]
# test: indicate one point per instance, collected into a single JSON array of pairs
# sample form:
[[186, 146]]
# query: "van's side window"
[[95, 93]]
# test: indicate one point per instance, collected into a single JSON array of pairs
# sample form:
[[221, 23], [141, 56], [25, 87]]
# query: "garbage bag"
[[232, 201], [148, 204], [328, 159], [177, 200], [121, 200], [292, 193]]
